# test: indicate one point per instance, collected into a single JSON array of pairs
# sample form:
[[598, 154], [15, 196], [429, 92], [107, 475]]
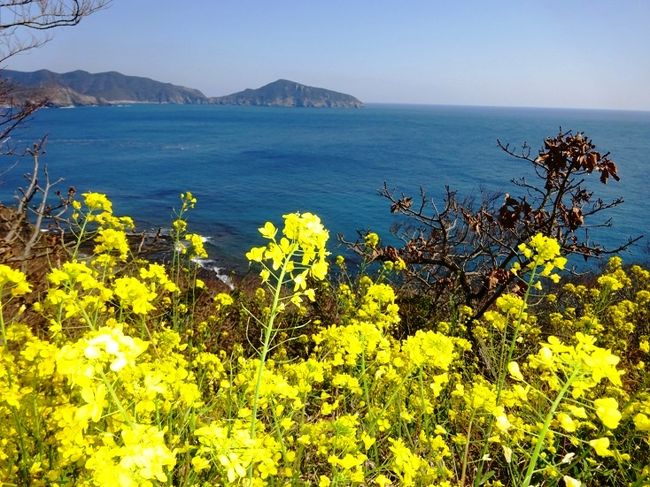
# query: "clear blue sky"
[[548, 53]]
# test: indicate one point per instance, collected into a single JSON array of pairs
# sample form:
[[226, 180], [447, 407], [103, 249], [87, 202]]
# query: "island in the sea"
[[80, 88], [285, 93]]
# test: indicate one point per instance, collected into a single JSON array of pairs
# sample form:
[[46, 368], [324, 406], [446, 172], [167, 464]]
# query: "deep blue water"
[[247, 165]]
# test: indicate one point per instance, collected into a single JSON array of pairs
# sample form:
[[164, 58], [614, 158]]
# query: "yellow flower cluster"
[[188, 200], [91, 408], [196, 241], [544, 253], [118, 395], [78, 290], [14, 280], [611, 309], [371, 240], [299, 254], [99, 209], [98, 202], [189, 249], [110, 232]]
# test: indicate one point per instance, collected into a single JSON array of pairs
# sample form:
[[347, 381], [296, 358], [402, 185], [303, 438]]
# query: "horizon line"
[[534, 107], [460, 105]]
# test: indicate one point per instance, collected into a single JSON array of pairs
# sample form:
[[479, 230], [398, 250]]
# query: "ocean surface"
[[247, 165]]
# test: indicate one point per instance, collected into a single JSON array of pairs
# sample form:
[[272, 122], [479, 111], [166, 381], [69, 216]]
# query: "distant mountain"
[[83, 88], [285, 93]]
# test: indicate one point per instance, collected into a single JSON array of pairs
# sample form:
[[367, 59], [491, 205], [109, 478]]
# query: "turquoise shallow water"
[[247, 165]]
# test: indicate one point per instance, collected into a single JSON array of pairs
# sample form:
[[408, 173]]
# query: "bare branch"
[[47, 14], [461, 253]]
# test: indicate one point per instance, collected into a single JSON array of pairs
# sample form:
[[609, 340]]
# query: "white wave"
[[212, 266]]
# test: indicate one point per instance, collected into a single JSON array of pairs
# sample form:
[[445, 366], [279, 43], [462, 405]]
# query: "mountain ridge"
[[81, 88]]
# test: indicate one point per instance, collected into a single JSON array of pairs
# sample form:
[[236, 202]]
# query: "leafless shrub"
[[460, 253]]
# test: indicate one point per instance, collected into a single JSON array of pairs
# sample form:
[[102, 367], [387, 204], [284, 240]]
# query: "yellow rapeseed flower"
[[566, 422], [223, 300], [607, 411], [15, 279], [601, 445], [300, 251], [642, 422], [268, 230], [515, 373], [188, 199], [198, 250], [180, 226], [371, 240], [542, 252], [109, 240], [97, 201], [571, 482], [134, 294]]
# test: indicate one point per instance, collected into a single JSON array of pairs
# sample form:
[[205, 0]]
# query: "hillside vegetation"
[[117, 373]]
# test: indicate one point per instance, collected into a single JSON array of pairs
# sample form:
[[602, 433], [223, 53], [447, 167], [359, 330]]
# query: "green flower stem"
[[80, 237], [424, 417], [463, 474], [14, 411], [266, 345], [2, 322], [517, 326], [91, 323], [24, 453], [177, 235], [503, 372], [116, 400], [366, 397], [547, 422], [300, 448], [5, 344]]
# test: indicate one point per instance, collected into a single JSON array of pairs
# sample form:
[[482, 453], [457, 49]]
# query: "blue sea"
[[247, 165]]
